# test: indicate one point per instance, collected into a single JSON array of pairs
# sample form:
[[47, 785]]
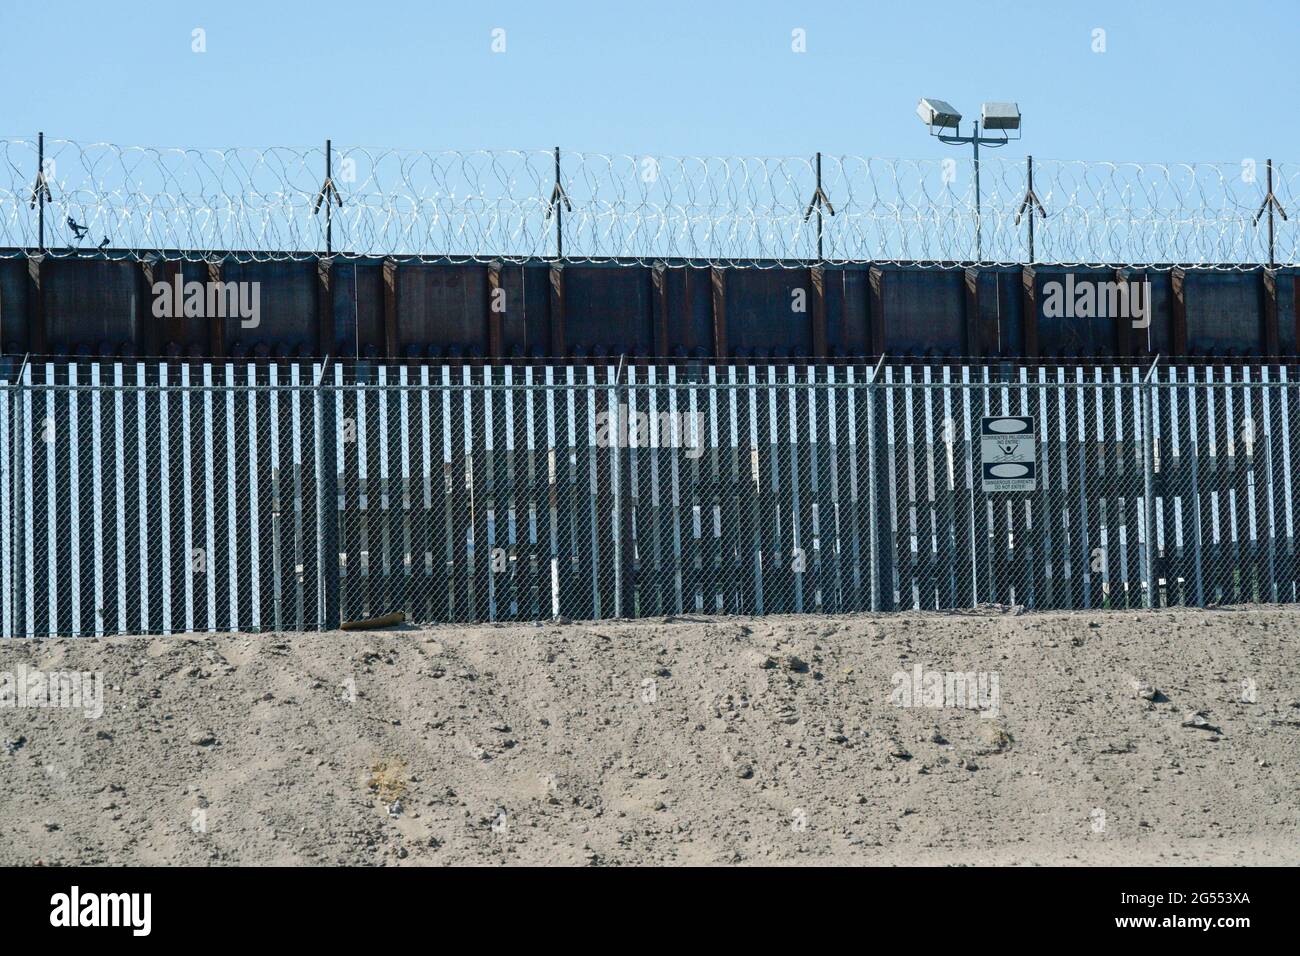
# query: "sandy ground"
[[688, 740]]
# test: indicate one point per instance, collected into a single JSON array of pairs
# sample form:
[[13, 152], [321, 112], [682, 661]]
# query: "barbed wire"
[[516, 205]]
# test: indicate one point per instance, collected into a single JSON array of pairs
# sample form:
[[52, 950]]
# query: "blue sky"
[[1191, 80]]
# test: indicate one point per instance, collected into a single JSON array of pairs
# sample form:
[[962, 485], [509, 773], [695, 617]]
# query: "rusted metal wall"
[[375, 308]]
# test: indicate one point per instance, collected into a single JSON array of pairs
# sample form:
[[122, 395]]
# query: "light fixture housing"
[[1001, 116], [938, 113]]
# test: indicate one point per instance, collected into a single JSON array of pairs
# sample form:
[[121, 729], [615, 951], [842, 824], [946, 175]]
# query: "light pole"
[[939, 116]]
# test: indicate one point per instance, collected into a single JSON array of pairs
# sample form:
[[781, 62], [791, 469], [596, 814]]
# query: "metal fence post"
[[15, 506], [558, 202], [19, 440], [9, 496], [1197, 562], [327, 512], [618, 433], [41, 192], [328, 196], [1029, 160], [1148, 483], [881, 545]]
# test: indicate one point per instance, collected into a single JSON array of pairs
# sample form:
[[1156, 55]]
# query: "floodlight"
[[938, 113], [1000, 116], [944, 122]]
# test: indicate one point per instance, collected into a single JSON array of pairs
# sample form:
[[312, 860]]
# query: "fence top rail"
[[631, 361], [1071, 378]]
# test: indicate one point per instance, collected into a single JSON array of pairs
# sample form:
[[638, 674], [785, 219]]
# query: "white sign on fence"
[[1008, 453]]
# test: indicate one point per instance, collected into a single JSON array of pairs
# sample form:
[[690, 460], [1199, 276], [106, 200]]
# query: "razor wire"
[[516, 205], [176, 497]]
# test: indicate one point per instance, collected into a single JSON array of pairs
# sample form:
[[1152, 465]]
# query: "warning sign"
[[1008, 453]]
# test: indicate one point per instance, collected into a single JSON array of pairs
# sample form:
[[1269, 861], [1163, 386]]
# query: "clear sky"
[[1188, 80]]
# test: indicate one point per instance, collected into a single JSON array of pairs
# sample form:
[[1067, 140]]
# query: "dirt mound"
[[919, 738]]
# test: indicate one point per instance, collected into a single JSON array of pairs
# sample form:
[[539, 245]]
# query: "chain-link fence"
[[164, 497], [160, 498], [277, 203]]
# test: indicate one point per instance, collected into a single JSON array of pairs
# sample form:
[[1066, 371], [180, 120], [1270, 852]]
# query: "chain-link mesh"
[[150, 498], [163, 497], [266, 204]]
